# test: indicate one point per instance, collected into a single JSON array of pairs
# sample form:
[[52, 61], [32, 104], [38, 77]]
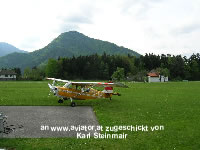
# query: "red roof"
[[153, 74]]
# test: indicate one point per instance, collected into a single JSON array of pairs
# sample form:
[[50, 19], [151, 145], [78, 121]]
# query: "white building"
[[156, 77], [163, 79], [7, 75]]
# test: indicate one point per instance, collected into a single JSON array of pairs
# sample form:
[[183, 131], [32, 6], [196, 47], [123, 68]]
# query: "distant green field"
[[175, 105]]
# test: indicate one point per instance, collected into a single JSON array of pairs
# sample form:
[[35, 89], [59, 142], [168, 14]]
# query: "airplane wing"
[[60, 80], [98, 84]]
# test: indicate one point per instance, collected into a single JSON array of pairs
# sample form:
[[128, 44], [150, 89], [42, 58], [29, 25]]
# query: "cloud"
[[79, 19], [72, 22], [30, 42], [65, 27], [77, 15], [138, 8], [158, 26], [187, 29]]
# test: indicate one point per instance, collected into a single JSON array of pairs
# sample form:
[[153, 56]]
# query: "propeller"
[[53, 89]]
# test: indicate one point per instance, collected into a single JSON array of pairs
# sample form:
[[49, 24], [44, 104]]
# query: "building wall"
[[7, 77], [164, 79], [157, 79], [153, 79]]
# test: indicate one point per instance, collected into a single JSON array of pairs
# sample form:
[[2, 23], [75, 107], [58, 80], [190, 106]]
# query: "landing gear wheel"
[[118, 94], [60, 101], [73, 104]]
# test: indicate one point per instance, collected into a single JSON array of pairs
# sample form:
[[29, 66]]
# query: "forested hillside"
[[134, 68], [6, 49], [68, 44]]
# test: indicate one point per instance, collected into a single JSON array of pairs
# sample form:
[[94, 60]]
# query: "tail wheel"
[[60, 101], [118, 94], [73, 104]]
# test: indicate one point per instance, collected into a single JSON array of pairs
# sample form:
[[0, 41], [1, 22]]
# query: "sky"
[[145, 26]]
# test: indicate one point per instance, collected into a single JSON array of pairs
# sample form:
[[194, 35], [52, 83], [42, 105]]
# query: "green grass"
[[174, 105]]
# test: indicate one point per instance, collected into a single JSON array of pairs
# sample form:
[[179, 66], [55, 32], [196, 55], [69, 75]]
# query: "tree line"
[[107, 67]]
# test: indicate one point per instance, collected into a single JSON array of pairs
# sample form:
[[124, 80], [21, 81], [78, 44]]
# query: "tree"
[[52, 68], [27, 73], [163, 71], [33, 74], [176, 67], [18, 72], [195, 70], [118, 74], [141, 76]]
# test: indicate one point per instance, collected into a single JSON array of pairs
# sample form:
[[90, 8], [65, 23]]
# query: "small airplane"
[[82, 90]]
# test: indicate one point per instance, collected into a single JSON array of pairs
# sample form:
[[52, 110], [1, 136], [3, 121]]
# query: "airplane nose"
[[53, 89]]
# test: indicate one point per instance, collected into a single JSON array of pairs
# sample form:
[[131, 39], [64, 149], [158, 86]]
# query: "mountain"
[[67, 44], [6, 49]]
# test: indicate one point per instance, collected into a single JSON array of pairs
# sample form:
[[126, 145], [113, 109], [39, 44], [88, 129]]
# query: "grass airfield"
[[174, 105]]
